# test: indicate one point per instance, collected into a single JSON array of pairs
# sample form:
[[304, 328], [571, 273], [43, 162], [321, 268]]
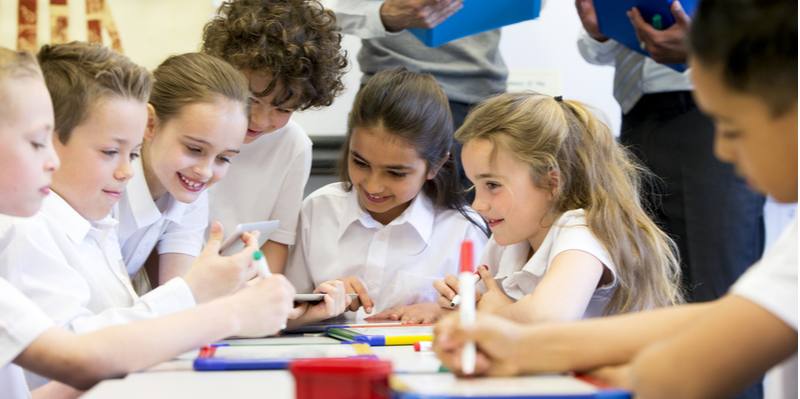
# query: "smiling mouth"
[[494, 222], [374, 198], [191, 184], [254, 133]]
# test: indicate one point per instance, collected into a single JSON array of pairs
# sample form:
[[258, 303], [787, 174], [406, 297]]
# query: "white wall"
[[545, 44]]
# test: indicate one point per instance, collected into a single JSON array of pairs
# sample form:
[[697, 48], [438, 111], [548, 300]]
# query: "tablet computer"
[[233, 244]]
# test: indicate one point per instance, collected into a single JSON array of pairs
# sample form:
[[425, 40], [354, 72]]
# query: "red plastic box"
[[341, 378]]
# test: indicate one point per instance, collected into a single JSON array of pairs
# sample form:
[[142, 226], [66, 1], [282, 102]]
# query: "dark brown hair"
[[754, 42], [413, 108], [295, 42], [191, 78], [79, 74]]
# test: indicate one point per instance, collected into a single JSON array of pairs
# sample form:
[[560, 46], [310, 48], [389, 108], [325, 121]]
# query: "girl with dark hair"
[[395, 222]]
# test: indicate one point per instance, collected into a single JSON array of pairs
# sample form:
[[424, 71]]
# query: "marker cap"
[[258, 255], [466, 257]]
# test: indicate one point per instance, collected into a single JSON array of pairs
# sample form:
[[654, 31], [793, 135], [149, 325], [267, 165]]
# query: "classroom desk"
[[177, 379]]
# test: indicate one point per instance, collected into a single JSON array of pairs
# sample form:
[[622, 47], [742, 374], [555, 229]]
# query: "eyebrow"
[[392, 167], [486, 176], [208, 144]]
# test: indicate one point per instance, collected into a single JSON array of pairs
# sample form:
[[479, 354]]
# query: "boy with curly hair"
[[289, 51]]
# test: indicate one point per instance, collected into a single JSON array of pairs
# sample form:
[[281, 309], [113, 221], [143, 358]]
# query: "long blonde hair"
[[597, 175]]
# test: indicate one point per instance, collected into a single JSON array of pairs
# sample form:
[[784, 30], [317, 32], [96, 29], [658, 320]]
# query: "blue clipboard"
[[478, 16], [272, 357], [615, 24]]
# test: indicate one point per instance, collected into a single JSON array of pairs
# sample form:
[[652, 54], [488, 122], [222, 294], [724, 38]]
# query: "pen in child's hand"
[[263, 269], [457, 299], [261, 265], [466, 283]]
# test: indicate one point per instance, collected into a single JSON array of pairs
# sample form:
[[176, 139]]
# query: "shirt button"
[[381, 236], [372, 285]]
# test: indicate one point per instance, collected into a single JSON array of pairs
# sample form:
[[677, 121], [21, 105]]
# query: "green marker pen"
[[657, 22]]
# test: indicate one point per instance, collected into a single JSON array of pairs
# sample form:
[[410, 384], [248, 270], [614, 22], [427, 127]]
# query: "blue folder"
[[615, 24], [479, 16]]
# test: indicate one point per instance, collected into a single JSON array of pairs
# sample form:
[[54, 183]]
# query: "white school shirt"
[[21, 322], [656, 78], [396, 263], [772, 284], [176, 227], [265, 182], [72, 269], [518, 276]]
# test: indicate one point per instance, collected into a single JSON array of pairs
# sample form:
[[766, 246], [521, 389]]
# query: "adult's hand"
[[666, 46], [397, 15], [588, 18]]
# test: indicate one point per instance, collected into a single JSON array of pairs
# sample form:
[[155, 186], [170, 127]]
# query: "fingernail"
[[368, 310]]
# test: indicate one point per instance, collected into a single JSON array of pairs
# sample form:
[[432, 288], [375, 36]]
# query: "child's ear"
[[554, 180], [432, 173], [149, 131]]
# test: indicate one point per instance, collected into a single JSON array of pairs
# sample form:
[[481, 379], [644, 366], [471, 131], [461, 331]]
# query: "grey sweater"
[[468, 70]]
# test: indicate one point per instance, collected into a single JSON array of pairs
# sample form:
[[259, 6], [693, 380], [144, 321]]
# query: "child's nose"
[[261, 117], [124, 171], [203, 169], [374, 184]]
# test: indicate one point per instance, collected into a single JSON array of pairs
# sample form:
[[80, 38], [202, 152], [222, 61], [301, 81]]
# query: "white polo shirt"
[[72, 269], [772, 284], [265, 182], [21, 322], [143, 223], [518, 276], [397, 263]]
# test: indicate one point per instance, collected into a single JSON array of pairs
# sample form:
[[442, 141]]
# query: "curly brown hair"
[[296, 42]]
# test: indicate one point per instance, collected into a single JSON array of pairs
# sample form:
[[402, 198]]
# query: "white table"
[[177, 378]]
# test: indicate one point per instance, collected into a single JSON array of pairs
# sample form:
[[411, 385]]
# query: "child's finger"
[[452, 282], [488, 279], [444, 289], [445, 303], [215, 238]]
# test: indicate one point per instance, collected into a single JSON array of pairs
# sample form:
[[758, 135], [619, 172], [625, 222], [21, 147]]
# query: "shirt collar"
[[419, 215], [144, 209], [66, 217]]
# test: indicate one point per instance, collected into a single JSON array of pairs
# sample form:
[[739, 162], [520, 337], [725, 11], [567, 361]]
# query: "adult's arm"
[[367, 18]]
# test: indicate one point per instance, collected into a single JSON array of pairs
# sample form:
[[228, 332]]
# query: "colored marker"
[[657, 23], [261, 265], [466, 283], [262, 268], [457, 299]]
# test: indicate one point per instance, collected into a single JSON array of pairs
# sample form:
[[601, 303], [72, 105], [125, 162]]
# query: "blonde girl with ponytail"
[[570, 237]]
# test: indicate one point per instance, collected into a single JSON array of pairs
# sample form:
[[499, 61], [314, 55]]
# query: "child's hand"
[[498, 341], [494, 297], [425, 312], [333, 304], [212, 275], [448, 288], [262, 309], [353, 286]]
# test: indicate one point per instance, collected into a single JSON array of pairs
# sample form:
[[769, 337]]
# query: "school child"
[[195, 125], [744, 67], [28, 337], [570, 238], [67, 258], [397, 219], [289, 52]]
